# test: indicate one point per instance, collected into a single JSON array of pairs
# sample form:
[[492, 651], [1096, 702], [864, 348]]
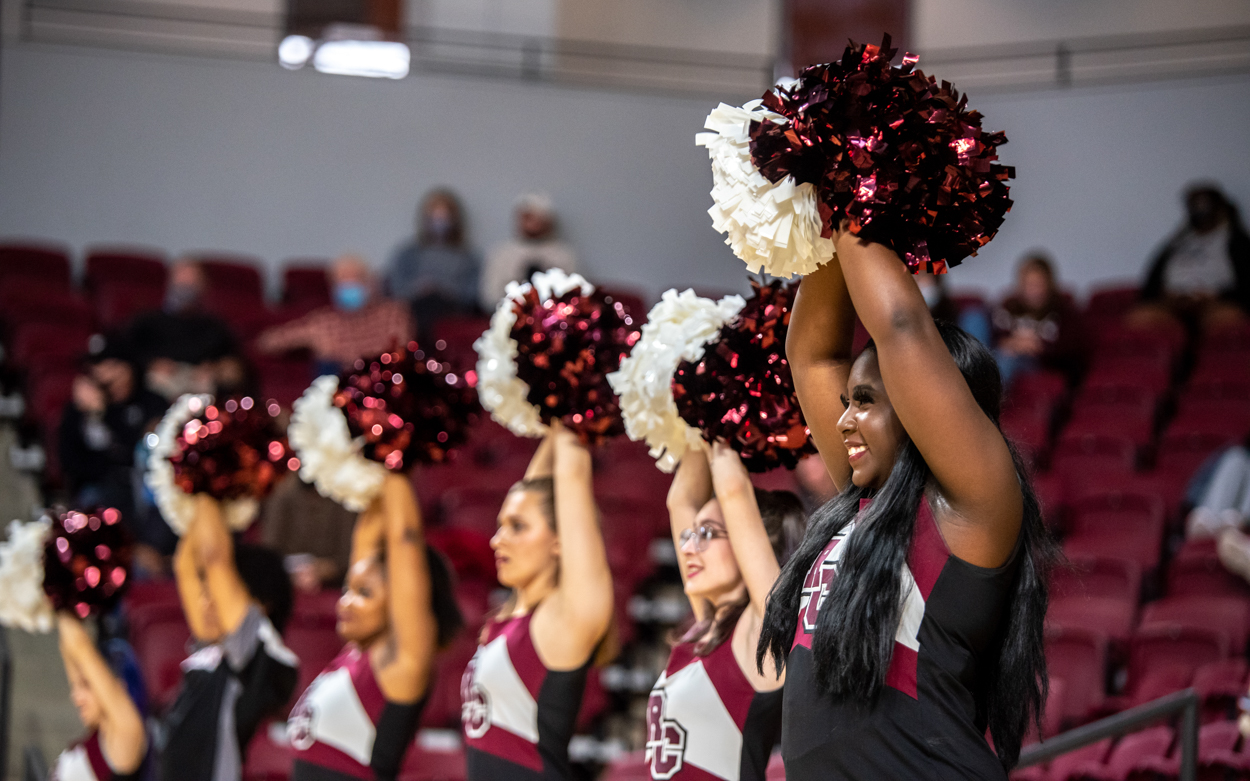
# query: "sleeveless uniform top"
[[343, 727], [706, 721], [929, 722], [518, 716], [85, 762]]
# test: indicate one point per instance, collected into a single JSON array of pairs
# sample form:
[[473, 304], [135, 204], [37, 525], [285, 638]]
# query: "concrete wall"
[[187, 153]]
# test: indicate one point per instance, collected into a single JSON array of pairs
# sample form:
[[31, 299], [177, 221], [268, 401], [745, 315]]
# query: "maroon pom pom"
[[86, 561], [891, 151], [566, 348], [409, 406], [741, 392], [232, 450]]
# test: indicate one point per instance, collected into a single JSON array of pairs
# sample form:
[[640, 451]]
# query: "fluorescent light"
[[295, 51], [375, 59]]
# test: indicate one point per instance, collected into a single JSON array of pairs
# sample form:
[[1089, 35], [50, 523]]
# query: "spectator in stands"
[[236, 600], [313, 533], [101, 425], [971, 317], [1036, 326], [1202, 274], [359, 323], [535, 248], [437, 272], [1220, 494], [815, 485], [182, 348]]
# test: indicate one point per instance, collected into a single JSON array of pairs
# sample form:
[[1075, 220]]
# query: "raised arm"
[[582, 602], [964, 449], [192, 591], [403, 672], [818, 347], [542, 463], [747, 536], [214, 554], [122, 737], [690, 490]]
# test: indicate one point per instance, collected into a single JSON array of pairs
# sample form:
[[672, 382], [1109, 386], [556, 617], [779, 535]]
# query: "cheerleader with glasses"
[[910, 619], [713, 713]]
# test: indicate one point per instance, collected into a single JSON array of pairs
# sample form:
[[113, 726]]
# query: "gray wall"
[[186, 153]]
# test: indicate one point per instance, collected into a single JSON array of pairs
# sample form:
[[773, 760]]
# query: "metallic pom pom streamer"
[[741, 390], [86, 561], [893, 152]]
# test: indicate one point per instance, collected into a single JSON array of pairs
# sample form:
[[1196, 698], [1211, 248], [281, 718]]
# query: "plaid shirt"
[[341, 337]]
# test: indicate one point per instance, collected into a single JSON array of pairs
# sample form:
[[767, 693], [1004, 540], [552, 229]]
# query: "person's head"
[[854, 638], [1035, 280], [185, 287], [872, 433], [111, 364], [90, 712], [1206, 207], [440, 220], [363, 610], [712, 573], [525, 543], [264, 574], [351, 283], [535, 216]]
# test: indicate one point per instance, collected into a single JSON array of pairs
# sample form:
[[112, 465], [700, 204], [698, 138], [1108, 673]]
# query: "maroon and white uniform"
[[85, 762], [706, 721], [929, 721], [517, 715], [343, 727]]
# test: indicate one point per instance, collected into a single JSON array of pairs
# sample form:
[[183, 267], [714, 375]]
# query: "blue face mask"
[[350, 296]]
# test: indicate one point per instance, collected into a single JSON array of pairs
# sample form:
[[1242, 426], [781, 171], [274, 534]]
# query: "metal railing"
[[6, 698], [1184, 703]]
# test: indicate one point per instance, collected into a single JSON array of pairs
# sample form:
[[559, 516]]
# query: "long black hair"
[[855, 628]]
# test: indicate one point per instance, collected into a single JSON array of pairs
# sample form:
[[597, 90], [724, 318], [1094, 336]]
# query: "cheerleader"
[[713, 713], [116, 746], [523, 688], [358, 717], [910, 619], [236, 599]]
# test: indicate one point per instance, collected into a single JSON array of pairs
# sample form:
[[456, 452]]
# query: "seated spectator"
[[182, 348], [970, 318], [535, 248], [101, 425], [1202, 275], [437, 273], [359, 323], [1036, 326], [1220, 494], [313, 533]]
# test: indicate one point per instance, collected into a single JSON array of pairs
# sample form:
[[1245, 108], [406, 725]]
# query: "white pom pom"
[[772, 227], [677, 329], [24, 605], [178, 507], [329, 458], [501, 392]]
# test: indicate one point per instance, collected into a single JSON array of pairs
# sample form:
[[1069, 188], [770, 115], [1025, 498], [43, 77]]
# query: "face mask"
[[179, 298], [438, 225], [350, 296]]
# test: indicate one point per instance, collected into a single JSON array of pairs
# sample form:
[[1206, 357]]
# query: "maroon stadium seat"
[[1111, 302], [40, 265], [1063, 767], [132, 266], [44, 343], [1217, 757], [1196, 570], [235, 273], [1076, 455], [1185, 445], [1117, 524], [160, 648], [1051, 494], [18, 306], [1097, 577], [1032, 388], [1219, 685], [1079, 657], [1162, 647], [305, 281], [117, 302], [1112, 617], [1227, 614], [1129, 754], [442, 707], [315, 642], [1029, 430]]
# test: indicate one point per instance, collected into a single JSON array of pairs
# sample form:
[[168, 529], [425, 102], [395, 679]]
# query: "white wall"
[[188, 153]]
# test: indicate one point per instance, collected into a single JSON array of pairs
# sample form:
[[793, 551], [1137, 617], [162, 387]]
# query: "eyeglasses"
[[701, 536]]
